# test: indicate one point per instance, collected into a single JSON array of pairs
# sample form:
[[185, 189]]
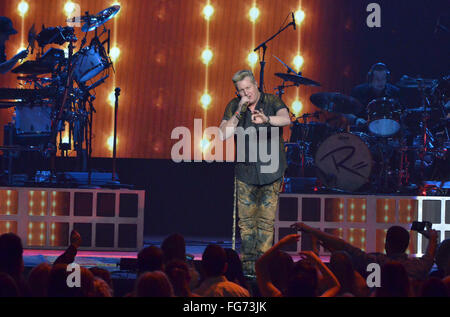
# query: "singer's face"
[[247, 88]]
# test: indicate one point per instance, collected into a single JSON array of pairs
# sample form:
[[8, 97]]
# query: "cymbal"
[[412, 82], [336, 102], [297, 79], [100, 18]]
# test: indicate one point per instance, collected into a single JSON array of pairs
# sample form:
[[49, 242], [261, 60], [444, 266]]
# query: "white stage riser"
[[44, 217], [362, 220]]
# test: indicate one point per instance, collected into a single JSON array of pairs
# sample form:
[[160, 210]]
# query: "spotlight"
[[207, 56], [298, 62], [204, 144], [23, 8], [69, 7], [208, 11], [205, 100], [299, 17], [112, 98], [252, 59], [114, 53], [297, 107], [254, 14], [111, 142]]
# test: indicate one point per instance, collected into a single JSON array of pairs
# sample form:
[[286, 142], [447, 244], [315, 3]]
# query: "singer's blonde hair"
[[240, 75]]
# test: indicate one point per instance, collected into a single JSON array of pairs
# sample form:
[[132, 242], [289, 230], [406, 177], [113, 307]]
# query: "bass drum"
[[344, 162]]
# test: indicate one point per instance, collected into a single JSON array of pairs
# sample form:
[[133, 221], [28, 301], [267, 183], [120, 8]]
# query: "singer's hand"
[[243, 103], [258, 117]]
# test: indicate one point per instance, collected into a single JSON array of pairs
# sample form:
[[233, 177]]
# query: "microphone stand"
[[263, 61], [116, 108]]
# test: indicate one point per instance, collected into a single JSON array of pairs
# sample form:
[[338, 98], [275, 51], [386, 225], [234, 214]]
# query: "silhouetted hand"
[[75, 239], [290, 238]]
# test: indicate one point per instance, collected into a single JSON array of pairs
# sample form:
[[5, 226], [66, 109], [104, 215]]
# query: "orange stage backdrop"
[[161, 73]]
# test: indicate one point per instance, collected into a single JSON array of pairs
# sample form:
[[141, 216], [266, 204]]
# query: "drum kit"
[[59, 89], [397, 150]]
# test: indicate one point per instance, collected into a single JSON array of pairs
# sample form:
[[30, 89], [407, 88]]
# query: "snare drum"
[[384, 117], [89, 62], [344, 162]]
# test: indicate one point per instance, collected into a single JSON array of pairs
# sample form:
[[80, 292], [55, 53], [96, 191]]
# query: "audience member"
[[11, 261], [101, 288], [8, 287], [174, 248], [396, 244], [442, 259], [434, 287], [394, 281], [38, 280], [150, 259], [352, 283], [178, 273], [153, 284], [235, 272], [302, 280], [215, 284]]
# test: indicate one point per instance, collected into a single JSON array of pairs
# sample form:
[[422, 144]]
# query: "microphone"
[[244, 107], [293, 20]]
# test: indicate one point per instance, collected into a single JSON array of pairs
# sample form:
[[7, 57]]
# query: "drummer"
[[377, 86]]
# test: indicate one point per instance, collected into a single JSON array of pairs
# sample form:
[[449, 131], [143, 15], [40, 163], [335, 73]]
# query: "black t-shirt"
[[365, 94], [250, 172]]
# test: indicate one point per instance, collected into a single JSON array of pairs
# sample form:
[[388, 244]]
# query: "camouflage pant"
[[257, 206]]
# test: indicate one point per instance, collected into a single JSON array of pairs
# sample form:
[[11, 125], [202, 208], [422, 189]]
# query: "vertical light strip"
[[297, 106], [207, 56], [114, 54], [252, 57]]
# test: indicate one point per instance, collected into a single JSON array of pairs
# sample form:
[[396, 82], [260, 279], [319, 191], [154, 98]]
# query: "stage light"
[[352, 206], [207, 56], [341, 217], [408, 219], [386, 218], [112, 99], [53, 237], [41, 237], [111, 142], [341, 205], [114, 53], [352, 217], [363, 207], [42, 225], [31, 192], [254, 14], [30, 225], [8, 192], [363, 218], [23, 8], [409, 207], [21, 49], [42, 203], [208, 11], [69, 7], [351, 239], [54, 204], [30, 236], [8, 203], [53, 226], [297, 107], [205, 101], [31, 204], [298, 62], [204, 144], [252, 59], [363, 240], [299, 16], [386, 207]]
